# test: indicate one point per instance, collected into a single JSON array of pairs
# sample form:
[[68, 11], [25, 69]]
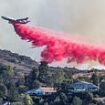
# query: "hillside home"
[[82, 86], [42, 91]]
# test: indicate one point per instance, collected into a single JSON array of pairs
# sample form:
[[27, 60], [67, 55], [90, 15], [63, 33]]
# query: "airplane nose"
[[3, 17]]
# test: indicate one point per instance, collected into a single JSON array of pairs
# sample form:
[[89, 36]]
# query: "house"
[[82, 86], [42, 91]]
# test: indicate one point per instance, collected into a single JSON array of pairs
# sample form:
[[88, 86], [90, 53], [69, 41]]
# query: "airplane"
[[21, 21]]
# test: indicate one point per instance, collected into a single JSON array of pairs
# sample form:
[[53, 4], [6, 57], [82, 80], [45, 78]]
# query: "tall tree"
[[95, 79], [34, 74], [31, 78], [43, 71]]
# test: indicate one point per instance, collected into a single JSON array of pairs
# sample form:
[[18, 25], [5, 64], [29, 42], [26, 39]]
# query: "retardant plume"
[[58, 48]]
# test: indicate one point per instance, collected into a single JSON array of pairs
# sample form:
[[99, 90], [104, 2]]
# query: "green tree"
[[102, 88], [6, 74], [6, 70], [28, 100], [3, 91], [63, 98], [36, 84], [31, 78], [88, 97], [56, 101], [68, 77], [10, 70], [95, 79], [2, 69], [12, 92], [50, 80], [76, 101], [43, 72], [58, 77], [34, 74]]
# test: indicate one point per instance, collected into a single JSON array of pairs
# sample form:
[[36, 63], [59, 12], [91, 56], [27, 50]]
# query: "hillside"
[[23, 64], [18, 62]]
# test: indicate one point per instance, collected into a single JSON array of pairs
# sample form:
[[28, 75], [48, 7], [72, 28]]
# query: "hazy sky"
[[85, 18]]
